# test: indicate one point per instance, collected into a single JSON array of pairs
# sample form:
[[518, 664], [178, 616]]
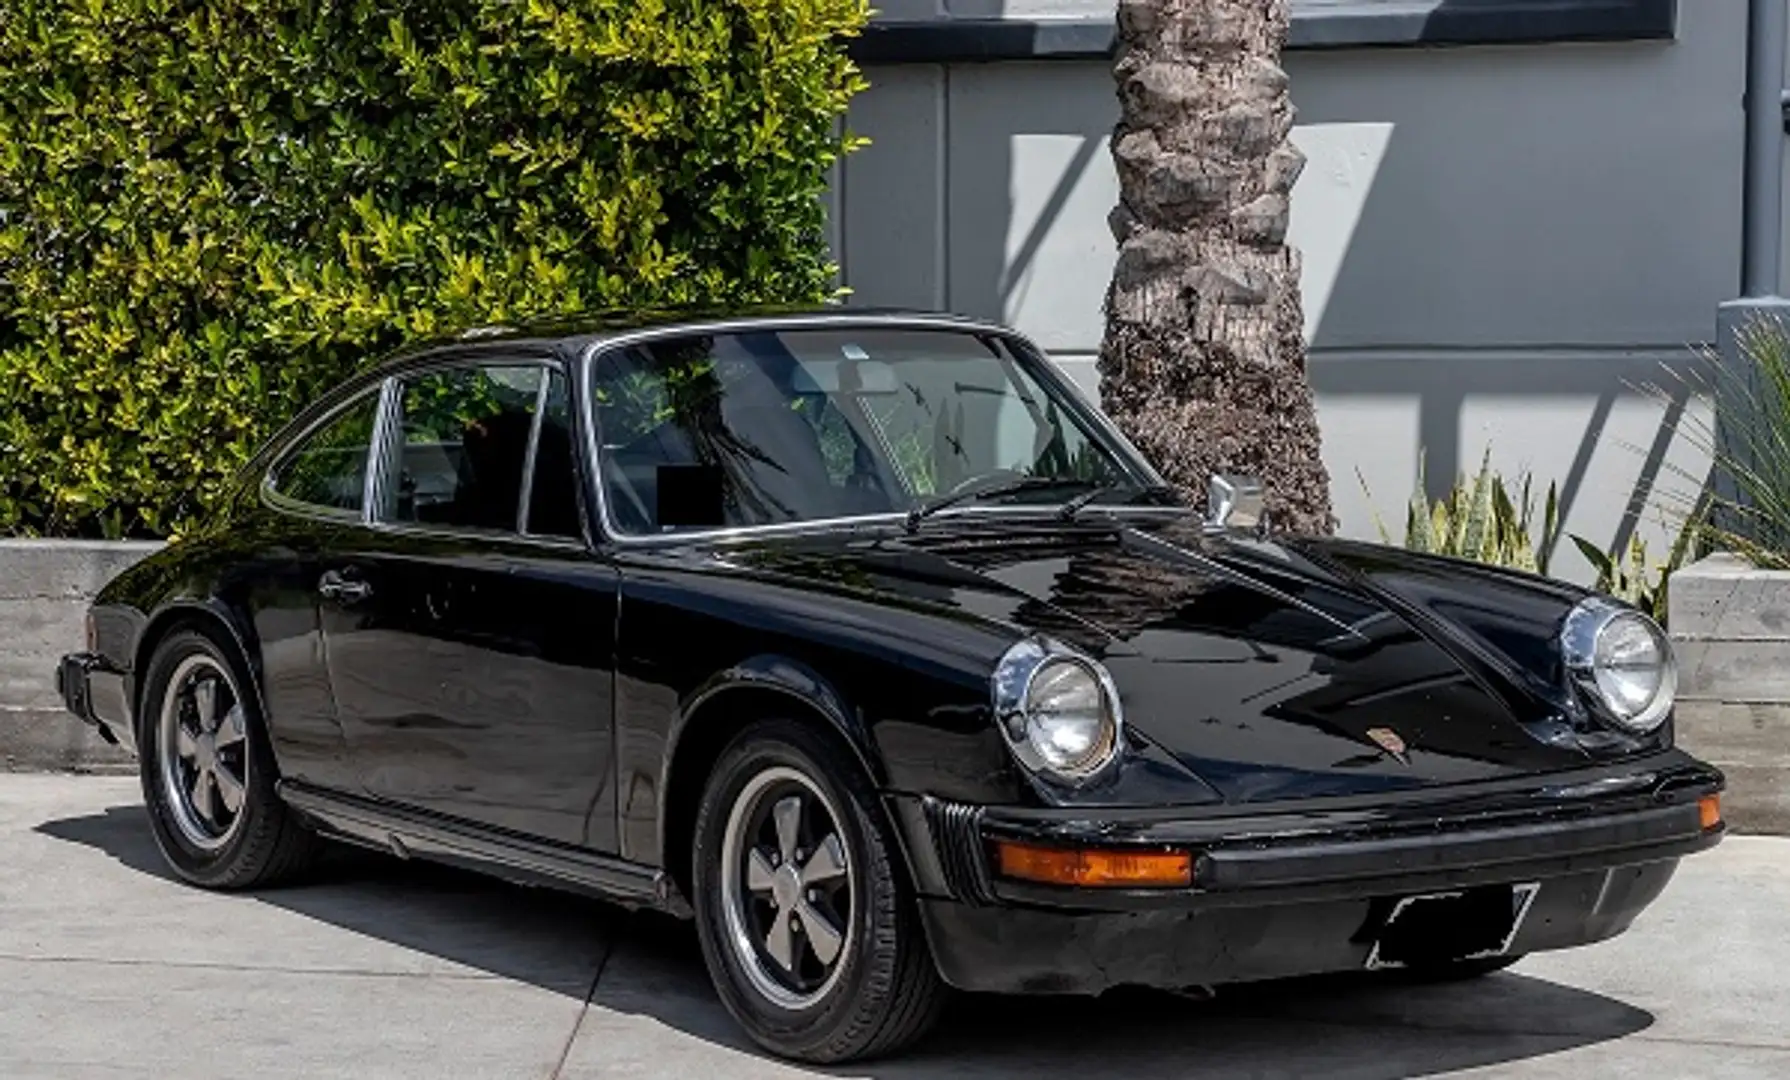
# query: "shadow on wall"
[[650, 967], [1609, 430], [1502, 244], [1521, 249]]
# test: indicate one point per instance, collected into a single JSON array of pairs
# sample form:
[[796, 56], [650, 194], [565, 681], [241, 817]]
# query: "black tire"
[[269, 844], [886, 992], [1455, 970]]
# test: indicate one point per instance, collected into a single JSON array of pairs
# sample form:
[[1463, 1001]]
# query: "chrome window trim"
[[1048, 372], [460, 535], [386, 427], [529, 456]]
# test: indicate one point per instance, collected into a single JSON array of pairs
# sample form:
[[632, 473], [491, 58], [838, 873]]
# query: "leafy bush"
[[212, 209], [1480, 520]]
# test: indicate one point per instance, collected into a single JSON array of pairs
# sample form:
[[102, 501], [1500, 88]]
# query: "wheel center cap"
[[786, 887], [207, 749]]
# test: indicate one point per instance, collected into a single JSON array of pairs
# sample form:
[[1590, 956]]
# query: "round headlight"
[[1624, 660], [1059, 710], [1067, 719]]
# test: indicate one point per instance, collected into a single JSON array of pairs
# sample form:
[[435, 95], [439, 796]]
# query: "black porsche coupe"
[[865, 642]]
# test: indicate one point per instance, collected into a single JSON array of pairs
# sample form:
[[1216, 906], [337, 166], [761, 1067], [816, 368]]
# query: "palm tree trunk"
[[1203, 365]]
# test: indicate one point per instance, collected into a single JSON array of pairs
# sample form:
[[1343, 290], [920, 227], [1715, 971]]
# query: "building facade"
[[1518, 221]]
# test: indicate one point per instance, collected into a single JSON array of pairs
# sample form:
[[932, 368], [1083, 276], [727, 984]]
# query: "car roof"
[[574, 335], [577, 333]]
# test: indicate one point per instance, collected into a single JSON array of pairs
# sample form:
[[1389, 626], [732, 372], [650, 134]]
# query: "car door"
[[470, 630], [312, 496]]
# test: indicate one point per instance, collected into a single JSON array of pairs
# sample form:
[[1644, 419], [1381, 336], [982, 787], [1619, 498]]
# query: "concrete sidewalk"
[[110, 969]]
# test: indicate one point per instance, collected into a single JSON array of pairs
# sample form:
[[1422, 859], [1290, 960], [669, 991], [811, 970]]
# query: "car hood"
[[1271, 670]]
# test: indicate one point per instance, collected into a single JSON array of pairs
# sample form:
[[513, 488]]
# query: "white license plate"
[[1461, 924]]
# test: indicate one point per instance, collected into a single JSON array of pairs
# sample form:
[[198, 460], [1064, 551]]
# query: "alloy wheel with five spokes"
[[202, 752], [809, 928], [208, 769], [788, 887]]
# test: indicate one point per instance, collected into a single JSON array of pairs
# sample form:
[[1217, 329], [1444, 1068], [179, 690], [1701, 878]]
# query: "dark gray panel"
[[891, 197], [1317, 24]]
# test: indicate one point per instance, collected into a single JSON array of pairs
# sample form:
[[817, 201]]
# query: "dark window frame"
[[389, 449], [1317, 24]]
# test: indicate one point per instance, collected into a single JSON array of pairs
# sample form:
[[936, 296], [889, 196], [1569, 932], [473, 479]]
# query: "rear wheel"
[[809, 932], [208, 773]]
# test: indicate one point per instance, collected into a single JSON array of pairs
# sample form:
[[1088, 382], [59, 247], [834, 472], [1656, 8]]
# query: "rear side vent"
[[957, 834]]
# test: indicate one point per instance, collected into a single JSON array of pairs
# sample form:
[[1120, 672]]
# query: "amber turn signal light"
[[1709, 810], [1094, 867]]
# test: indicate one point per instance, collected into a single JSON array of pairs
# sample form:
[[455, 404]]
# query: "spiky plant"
[[1479, 519], [1629, 575], [1746, 505]]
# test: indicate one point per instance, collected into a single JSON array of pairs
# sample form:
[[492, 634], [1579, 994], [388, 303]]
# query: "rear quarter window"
[[327, 468]]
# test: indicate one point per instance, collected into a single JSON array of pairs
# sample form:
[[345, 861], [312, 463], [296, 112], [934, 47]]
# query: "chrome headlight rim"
[[1585, 628], [1012, 684]]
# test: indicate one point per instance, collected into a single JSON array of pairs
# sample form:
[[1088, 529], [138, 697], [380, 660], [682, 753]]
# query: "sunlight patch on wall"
[[1059, 252], [1342, 161]]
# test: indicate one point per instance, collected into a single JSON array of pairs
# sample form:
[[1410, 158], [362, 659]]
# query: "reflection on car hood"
[[1272, 670]]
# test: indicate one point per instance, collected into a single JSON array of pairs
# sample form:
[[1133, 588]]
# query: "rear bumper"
[[94, 692], [1296, 889]]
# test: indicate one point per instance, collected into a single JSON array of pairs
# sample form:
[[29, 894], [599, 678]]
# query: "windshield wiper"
[[924, 510], [1076, 505]]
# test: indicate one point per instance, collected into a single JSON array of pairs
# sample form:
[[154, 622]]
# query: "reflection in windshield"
[[802, 425]]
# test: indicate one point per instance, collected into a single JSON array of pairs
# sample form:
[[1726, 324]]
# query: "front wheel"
[[208, 772], [809, 932]]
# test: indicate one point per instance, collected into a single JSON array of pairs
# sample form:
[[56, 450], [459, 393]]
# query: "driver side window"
[[483, 447], [465, 434]]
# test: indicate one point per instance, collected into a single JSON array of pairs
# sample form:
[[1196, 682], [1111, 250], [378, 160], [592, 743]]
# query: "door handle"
[[333, 586]]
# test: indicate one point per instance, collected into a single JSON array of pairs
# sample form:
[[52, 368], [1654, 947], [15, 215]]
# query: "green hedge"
[[212, 209]]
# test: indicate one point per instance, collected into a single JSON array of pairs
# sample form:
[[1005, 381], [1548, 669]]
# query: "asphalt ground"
[[109, 968]]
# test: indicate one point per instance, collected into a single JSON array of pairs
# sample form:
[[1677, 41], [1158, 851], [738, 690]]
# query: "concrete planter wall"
[[45, 586], [1730, 626]]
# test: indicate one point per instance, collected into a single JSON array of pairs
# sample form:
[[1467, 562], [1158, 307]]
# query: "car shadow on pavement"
[[1352, 1026]]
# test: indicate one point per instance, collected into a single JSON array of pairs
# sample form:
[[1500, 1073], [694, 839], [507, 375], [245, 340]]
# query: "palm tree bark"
[[1203, 365]]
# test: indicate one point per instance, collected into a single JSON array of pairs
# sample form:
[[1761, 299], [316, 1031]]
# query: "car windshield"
[[792, 425]]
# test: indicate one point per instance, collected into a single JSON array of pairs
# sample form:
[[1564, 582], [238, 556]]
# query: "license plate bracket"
[[1458, 924]]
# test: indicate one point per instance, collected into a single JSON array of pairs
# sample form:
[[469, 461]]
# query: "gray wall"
[[45, 589], [1501, 242]]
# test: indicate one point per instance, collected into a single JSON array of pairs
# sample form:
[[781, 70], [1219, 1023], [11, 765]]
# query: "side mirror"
[[1234, 502]]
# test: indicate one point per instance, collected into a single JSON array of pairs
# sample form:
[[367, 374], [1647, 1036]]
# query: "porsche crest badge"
[[1389, 741]]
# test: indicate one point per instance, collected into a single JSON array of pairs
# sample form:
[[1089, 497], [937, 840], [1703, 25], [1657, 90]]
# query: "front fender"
[[780, 675]]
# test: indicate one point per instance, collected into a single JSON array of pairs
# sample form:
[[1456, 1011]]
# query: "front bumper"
[[1302, 888], [94, 692]]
